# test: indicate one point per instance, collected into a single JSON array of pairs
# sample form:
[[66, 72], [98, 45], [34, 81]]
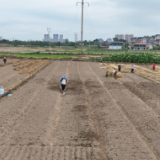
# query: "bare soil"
[[15, 71], [99, 118]]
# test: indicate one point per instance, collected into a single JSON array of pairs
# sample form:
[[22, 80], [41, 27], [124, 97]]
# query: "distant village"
[[134, 43]]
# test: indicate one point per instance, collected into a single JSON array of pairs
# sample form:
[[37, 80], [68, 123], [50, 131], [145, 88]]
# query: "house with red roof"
[[142, 46]]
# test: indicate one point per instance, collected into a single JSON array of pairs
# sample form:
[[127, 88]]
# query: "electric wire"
[[70, 29]]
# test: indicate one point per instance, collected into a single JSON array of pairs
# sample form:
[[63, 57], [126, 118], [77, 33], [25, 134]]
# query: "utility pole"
[[49, 30], [82, 24]]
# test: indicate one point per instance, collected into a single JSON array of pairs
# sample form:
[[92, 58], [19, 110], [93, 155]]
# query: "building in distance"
[[128, 37], [55, 37], [46, 37], [119, 36], [61, 38], [0, 38]]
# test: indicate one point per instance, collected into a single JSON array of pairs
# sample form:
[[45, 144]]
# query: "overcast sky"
[[29, 19]]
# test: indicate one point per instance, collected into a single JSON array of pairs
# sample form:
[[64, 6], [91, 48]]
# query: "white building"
[[115, 47], [157, 41], [0, 38], [157, 36]]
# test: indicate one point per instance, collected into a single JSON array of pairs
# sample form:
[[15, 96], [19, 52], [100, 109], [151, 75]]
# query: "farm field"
[[69, 49], [17, 70], [99, 118]]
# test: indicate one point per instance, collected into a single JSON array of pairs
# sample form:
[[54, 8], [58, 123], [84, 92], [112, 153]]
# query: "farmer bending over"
[[63, 83]]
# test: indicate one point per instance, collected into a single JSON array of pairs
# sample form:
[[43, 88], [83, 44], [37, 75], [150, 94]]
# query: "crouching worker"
[[63, 83]]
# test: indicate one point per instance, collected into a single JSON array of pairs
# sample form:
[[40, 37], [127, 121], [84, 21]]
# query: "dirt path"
[[98, 118]]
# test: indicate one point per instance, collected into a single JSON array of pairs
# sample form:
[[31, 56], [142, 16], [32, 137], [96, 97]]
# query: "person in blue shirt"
[[63, 83]]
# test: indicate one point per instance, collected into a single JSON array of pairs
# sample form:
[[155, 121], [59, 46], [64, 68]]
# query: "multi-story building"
[[0, 38], [157, 39], [46, 37], [157, 36], [128, 37], [55, 37], [61, 38], [147, 39], [119, 36]]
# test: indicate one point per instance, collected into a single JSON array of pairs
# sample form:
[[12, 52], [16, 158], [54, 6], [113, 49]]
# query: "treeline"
[[44, 43], [156, 47]]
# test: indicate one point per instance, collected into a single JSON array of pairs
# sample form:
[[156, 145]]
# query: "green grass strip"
[[37, 55]]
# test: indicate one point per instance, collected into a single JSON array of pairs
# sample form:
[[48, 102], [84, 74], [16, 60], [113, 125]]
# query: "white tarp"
[[115, 47]]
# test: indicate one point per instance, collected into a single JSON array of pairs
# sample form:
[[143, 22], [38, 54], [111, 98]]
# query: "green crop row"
[[130, 58]]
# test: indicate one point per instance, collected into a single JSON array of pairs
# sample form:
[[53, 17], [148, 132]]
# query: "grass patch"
[[37, 55]]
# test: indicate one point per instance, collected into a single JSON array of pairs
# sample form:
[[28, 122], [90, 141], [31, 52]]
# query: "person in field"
[[101, 59], [63, 83], [154, 66], [132, 68], [114, 73], [4, 60], [119, 68]]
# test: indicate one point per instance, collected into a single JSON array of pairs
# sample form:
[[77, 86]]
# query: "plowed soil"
[[15, 71], [99, 118]]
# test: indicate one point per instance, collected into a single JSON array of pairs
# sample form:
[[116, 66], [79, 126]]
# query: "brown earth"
[[99, 118], [15, 71]]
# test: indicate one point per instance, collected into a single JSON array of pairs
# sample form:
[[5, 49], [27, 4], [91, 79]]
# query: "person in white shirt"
[[114, 72], [132, 68]]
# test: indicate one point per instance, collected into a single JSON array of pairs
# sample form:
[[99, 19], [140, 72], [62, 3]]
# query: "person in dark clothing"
[[119, 68], [132, 68], [101, 59], [4, 60], [63, 83]]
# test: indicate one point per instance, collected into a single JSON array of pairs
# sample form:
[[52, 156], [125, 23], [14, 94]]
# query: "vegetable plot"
[[131, 58]]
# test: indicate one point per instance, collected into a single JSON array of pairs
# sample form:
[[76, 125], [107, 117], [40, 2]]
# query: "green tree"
[[115, 39], [66, 42]]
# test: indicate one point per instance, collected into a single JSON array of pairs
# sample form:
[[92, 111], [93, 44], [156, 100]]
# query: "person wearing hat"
[[4, 60], [63, 83]]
